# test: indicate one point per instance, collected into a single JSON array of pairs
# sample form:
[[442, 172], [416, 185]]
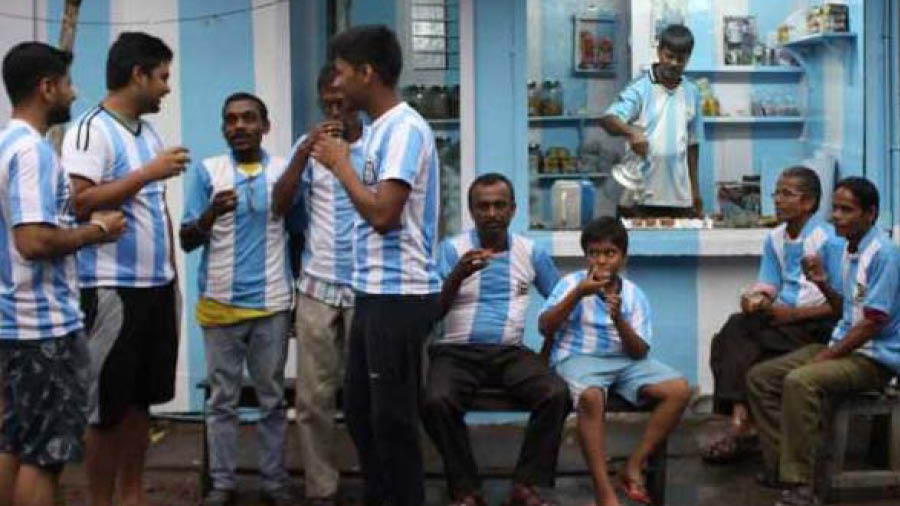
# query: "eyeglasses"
[[786, 194]]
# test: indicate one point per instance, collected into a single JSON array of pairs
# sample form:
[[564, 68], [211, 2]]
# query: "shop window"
[[434, 33]]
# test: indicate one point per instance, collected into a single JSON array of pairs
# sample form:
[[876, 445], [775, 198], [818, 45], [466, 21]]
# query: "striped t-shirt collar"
[[399, 106], [811, 223], [476, 241], [263, 162], [651, 74], [124, 121], [22, 123], [867, 239]]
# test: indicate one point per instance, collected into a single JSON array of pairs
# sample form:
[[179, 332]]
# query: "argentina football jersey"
[[401, 261], [491, 304], [38, 298], [100, 148]]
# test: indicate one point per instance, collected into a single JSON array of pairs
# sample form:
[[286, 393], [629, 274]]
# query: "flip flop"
[[634, 490], [730, 448]]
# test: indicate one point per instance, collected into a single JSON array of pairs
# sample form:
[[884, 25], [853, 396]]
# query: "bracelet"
[[100, 224]]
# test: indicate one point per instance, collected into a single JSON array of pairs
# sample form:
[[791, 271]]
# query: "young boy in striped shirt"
[[598, 332]]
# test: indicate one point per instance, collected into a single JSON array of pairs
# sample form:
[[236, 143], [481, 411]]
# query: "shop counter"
[[717, 242]]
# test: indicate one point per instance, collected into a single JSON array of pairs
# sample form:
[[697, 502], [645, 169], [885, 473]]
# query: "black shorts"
[[133, 341], [45, 400]]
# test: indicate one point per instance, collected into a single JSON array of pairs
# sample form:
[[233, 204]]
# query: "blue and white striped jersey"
[[872, 281], [671, 121], [781, 267], [491, 303], [328, 232], [38, 299], [245, 263], [589, 329], [99, 148], [402, 261]]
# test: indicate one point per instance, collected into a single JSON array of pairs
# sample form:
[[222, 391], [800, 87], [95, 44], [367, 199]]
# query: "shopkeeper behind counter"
[[659, 114]]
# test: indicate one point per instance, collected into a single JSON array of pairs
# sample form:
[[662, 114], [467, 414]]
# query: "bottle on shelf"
[[534, 99]]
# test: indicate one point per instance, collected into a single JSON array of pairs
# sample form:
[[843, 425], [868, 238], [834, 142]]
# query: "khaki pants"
[[790, 397], [322, 332]]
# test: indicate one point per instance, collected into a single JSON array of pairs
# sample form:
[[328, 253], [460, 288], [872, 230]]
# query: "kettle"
[[626, 186]]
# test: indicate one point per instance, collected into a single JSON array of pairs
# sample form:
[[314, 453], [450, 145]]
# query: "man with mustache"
[[487, 273], [116, 160], [659, 115], [245, 295], [43, 354]]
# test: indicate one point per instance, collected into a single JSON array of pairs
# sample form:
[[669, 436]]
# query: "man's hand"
[[331, 151], [613, 303], [112, 223], [638, 142], [170, 162], [754, 302], [471, 262], [223, 202], [826, 354], [813, 269]]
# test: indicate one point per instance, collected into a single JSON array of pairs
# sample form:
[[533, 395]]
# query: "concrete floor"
[[174, 460]]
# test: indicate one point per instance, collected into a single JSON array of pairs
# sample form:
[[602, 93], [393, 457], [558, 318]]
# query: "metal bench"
[[486, 400]]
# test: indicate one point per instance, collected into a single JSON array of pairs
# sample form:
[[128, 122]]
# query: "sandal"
[[523, 495], [634, 490], [729, 449]]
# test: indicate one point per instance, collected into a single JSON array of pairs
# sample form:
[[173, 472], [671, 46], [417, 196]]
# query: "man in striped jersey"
[[789, 395], [659, 114], [116, 160], [43, 355], [782, 312], [394, 270], [487, 273], [245, 295], [599, 331], [325, 300]]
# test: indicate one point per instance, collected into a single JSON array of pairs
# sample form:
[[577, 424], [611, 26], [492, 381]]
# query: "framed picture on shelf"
[[738, 39], [594, 47]]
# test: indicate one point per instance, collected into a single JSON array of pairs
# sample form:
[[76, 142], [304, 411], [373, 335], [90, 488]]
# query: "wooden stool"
[[831, 477]]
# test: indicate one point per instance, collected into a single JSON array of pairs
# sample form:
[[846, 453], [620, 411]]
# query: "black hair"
[[677, 38], [863, 190], [326, 75], [26, 64], [489, 179], [375, 45], [243, 95], [605, 228], [809, 182], [130, 49]]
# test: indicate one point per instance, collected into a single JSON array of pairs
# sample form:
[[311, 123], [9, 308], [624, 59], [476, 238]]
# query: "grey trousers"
[[262, 344], [322, 336]]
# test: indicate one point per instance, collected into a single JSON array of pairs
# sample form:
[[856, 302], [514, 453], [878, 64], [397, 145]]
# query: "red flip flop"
[[634, 490]]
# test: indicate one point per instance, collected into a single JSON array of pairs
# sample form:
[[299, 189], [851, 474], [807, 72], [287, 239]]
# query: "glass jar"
[[534, 99], [454, 101]]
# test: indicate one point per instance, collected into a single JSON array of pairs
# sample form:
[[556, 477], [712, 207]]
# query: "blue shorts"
[[625, 375]]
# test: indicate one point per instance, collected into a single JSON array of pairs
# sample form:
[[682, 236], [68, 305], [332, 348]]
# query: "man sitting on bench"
[[486, 275], [788, 395], [598, 327]]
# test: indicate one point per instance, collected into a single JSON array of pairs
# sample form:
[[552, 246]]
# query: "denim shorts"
[[45, 400], [624, 375]]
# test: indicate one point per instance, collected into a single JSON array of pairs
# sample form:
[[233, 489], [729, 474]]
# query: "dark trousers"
[[746, 340], [381, 394], [456, 371]]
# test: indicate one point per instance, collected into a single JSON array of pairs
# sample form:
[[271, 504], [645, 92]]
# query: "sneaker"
[[219, 497], [802, 495], [279, 497]]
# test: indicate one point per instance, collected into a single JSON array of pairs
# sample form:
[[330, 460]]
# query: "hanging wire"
[[186, 19]]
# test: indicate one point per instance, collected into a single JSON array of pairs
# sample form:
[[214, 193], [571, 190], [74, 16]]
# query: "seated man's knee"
[[591, 401], [437, 400]]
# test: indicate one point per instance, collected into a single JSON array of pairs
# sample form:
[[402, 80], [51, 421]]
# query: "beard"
[[59, 114]]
